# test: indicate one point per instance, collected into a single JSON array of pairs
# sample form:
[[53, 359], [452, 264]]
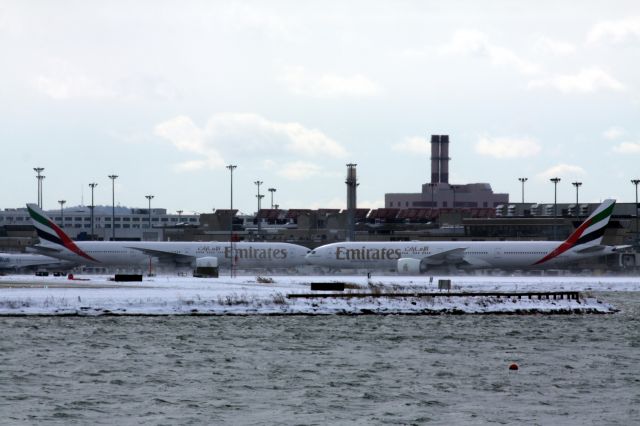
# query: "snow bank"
[[169, 295]]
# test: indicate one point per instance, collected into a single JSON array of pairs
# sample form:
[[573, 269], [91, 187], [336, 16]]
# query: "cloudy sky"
[[166, 93]]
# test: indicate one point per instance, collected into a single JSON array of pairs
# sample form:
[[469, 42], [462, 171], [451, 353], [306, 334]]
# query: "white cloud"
[[254, 135], [299, 170], [257, 21], [546, 45], [330, 85], [183, 133], [562, 171], [621, 31], [613, 133], [586, 81], [508, 147], [245, 135], [414, 145], [309, 142], [627, 148], [65, 82], [467, 42]]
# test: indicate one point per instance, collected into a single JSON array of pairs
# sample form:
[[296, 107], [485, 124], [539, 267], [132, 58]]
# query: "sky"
[[165, 94]]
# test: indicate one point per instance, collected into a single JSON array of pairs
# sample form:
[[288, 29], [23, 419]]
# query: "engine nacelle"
[[410, 266], [207, 262], [206, 267]]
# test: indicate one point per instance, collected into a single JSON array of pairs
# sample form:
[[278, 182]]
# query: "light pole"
[[231, 168], [577, 185], [92, 186], [179, 215], [39, 177], [113, 206], [62, 212], [149, 197], [555, 181], [636, 182], [259, 197], [272, 190], [523, 180]]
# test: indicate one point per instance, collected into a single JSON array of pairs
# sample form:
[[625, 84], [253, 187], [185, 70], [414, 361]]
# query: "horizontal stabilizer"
[[591, 249], [44, 249]]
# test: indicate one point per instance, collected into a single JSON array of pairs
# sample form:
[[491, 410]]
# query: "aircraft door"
[[497, 253]]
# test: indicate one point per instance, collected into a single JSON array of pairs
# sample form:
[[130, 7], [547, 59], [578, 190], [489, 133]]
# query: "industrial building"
[[439, 193]]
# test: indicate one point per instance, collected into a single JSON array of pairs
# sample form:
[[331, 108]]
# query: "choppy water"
[[319, 370]]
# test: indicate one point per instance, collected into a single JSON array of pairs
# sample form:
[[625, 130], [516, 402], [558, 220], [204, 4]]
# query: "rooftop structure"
[[439, 193]]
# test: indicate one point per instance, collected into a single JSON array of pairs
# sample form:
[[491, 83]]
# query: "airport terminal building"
[[131, 224]]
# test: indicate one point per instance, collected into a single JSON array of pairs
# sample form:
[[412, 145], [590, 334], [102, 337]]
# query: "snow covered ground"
[[244, 295]]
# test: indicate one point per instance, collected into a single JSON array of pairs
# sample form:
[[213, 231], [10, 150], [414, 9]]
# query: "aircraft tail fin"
[[588, 234], [51, 235], [591, 231]]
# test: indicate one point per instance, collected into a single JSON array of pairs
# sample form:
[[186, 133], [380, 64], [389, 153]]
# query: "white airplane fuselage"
[[18, 261], [473, 254], [247, 254]]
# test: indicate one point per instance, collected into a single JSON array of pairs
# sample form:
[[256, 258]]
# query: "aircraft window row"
[[477, 252], [525, 252]]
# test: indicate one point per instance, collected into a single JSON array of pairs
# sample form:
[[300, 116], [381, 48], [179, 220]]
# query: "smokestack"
[[444, 158], [352, 184], [435, 159]]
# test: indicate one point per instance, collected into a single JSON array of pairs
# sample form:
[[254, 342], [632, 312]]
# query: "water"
[[319, 370]]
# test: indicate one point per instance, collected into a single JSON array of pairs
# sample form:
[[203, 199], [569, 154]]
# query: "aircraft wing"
[[165, 256], [48, 251], [455, 255]]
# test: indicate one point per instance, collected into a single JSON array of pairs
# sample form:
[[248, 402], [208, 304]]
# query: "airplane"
[[21, 261], [421, 256], [56, 243]]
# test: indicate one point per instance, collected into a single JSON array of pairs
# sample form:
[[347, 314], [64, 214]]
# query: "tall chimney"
[[435, 159], [352, 184], [444, 158]]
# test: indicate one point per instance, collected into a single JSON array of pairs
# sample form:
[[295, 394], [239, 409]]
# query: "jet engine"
[[410, 266], [206, 267]]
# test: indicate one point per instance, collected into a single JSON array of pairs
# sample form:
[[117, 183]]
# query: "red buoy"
[[513, 366]]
